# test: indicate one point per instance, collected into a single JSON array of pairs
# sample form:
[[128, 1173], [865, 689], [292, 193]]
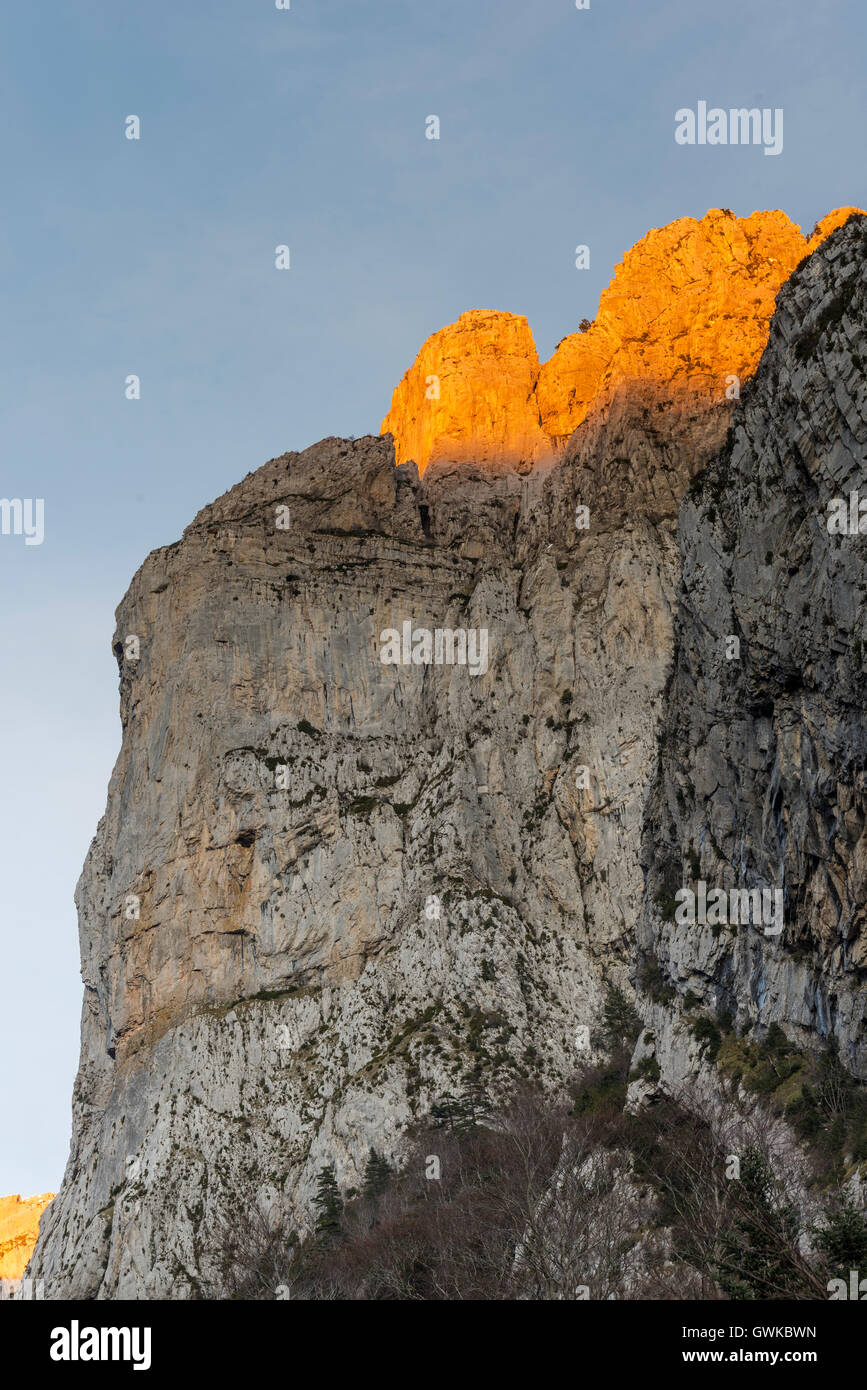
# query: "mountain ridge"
[[327, 891], [687, 306]]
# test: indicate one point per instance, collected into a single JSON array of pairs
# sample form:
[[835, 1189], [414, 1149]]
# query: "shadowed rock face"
[[327, 891], [687, 310], [763, 771]]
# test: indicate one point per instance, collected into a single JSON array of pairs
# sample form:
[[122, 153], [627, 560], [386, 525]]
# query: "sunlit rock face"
[[469, 395], [683, 321], [19, 1227]]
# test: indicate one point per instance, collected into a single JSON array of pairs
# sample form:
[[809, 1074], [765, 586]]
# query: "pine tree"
[[474, 1103], [759, 1257], [328, 1203], [376, 1175], [843, 1240], [445, 1112], [621, 1024], [463, 1112]]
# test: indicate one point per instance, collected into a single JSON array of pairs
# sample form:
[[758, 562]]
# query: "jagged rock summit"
[[469, 396], [687, 309], [328, 891]]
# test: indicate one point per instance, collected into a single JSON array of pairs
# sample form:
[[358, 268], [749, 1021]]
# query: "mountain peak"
[[469, 394], [688, 308]]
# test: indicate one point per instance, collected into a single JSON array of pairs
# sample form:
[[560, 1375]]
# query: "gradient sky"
[[156, 257]]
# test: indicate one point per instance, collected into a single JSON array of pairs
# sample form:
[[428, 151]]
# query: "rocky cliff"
[[331, 887], [683, 320], [763, 752]]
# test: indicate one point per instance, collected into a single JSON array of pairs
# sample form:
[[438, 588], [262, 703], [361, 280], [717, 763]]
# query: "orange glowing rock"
[[19, 1227], [469, 394], [688, 308]]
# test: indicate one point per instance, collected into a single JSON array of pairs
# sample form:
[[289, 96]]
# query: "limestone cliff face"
[[762, 779], [686, 312], [428, 900], [19, 1227], [328, 891]]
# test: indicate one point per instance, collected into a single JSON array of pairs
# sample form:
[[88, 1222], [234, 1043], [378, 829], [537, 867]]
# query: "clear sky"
[[303, 127]]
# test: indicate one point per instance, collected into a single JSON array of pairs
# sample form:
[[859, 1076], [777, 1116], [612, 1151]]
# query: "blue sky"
[[156, 257]]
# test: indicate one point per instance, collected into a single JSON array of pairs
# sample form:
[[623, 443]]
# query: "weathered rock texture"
[[284, 968], [762, 780], [469, 395], [287, 994], [686, 311], [19, 1227]]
